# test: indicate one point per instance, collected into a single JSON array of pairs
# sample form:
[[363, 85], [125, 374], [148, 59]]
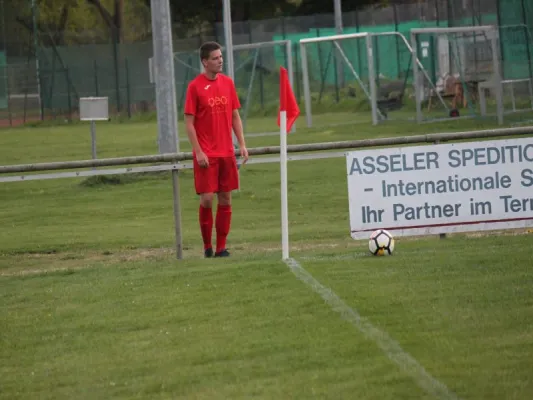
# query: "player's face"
[[214, 63]]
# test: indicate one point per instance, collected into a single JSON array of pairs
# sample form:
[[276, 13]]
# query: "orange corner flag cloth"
[[287, 100]]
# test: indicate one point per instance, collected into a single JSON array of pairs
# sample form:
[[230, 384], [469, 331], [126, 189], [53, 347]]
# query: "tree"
[[308, 7], [112, 20], [55, 12], [191, 14], [67, 22]]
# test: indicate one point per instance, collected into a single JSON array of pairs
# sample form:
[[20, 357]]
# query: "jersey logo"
[[207, 87], [218, 104]]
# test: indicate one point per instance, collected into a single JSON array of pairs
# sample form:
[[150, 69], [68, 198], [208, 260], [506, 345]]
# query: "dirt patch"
[[39, 263], [56, 261]]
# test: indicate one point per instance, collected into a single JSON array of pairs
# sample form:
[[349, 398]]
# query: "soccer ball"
[[381, 243]]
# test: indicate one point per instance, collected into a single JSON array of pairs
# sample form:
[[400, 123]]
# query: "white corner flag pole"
[[284, 199]]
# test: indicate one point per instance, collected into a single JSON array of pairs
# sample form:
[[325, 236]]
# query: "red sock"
[[206, 226], [223, 223]]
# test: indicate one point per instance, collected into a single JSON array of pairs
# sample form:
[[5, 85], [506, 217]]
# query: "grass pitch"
[[95, 305]]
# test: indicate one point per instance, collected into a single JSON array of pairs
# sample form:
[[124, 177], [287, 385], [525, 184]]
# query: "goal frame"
[[372, 95], [260, 45], [286, 44], [334, 38], [492, 32]]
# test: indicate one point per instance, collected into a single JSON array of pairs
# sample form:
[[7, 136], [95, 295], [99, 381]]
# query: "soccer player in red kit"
[[211, 113]]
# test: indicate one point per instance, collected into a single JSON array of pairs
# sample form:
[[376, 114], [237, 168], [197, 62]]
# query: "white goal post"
[[261, 45], [490, 33], [371, 92], [283, 44]]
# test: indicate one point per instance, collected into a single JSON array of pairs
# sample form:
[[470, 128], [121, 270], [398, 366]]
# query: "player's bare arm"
[[237, 128], [202, 159]]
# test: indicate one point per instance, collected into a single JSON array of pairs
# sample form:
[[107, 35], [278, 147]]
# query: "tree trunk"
[[57, 31], [114, 22], [119, 19]]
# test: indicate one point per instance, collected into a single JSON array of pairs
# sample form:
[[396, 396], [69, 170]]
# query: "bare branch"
[[108, 18], [25, 23]]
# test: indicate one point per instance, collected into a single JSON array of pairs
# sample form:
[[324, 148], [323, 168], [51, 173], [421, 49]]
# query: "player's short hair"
[[207, 48]]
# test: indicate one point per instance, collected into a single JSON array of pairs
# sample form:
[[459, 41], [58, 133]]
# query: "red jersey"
[[212, 103]]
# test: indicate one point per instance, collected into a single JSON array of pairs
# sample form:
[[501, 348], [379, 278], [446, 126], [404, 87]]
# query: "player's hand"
[[244, 154], [202, 159]]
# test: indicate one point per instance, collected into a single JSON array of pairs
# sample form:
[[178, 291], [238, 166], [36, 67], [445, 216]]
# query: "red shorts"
[[220, 176]]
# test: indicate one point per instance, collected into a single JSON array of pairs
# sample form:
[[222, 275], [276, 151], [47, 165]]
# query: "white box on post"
[[94, 109]]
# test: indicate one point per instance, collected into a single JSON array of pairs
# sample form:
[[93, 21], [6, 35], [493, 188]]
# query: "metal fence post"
[[69, 98], [526, 37], [97, 89], [128, 88]]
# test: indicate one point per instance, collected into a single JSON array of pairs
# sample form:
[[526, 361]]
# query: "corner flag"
[[287, 100], [288, 113]]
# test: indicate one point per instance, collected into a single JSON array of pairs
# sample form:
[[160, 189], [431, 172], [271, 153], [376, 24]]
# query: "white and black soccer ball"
[[381, 243]]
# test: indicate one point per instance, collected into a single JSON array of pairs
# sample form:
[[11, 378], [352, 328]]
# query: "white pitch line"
[[389, 346]]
